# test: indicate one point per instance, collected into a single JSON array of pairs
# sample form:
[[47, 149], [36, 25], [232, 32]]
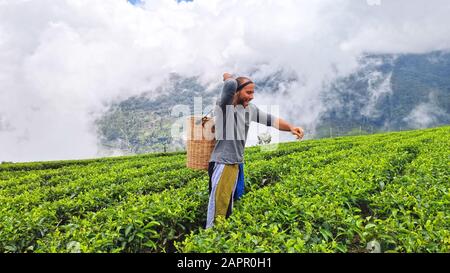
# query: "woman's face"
[[246, 95]]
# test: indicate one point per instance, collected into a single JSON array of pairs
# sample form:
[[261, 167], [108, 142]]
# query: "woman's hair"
[[242, 82]]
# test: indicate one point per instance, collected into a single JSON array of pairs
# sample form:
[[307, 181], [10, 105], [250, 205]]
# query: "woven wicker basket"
[[200, 142]]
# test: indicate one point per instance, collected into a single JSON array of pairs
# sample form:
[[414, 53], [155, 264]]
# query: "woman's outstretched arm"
[[283, 125]]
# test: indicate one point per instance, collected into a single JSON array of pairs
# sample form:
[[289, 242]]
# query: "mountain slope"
[[390, 93]]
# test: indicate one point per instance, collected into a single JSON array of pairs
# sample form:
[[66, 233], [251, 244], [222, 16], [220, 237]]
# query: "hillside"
[[142, 124], [329, 195], [389, 93]]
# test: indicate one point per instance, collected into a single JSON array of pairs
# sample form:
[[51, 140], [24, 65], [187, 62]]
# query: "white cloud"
[[60, 61], [425, 114]]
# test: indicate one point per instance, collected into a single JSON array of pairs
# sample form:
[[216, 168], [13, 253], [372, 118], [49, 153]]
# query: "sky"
[[62, 66], [134, 2]]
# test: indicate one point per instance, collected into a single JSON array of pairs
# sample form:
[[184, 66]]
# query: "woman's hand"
[[283, 125], [298, 132], [226, 76]]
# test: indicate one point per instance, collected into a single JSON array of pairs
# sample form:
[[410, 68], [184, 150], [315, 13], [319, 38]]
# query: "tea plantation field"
[[329, 195]]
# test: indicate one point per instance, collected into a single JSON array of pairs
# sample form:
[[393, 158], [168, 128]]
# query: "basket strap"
[[205, 117]]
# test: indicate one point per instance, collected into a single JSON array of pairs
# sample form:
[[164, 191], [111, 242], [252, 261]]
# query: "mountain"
[[386, 93], [142, 124], [389, 92]]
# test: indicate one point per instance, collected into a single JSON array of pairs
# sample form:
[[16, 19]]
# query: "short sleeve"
[[260, 116]]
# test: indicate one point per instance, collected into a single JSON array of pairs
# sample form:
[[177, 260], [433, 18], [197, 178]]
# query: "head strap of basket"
[[200, 141]]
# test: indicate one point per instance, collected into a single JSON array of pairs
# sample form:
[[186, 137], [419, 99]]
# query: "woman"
[[234, 113]]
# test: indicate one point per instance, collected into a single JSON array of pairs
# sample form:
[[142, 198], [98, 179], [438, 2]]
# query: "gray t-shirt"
[[232, 124]]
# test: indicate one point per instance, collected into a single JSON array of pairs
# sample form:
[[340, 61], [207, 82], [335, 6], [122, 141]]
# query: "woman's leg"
[[223, 185]]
